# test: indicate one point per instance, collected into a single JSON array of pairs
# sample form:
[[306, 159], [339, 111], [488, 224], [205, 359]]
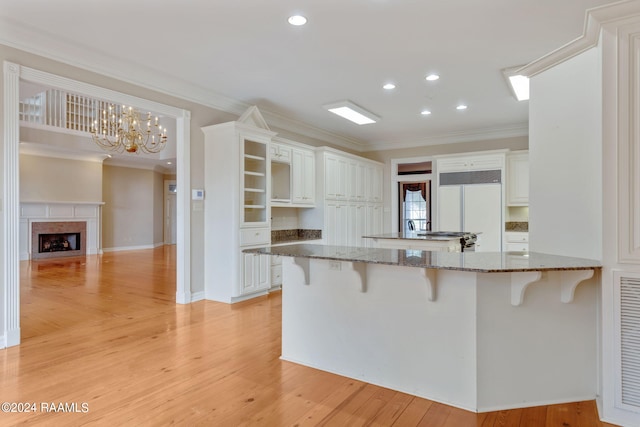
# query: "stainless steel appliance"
[[467, 240]]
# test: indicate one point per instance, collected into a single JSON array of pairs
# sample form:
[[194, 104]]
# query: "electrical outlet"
[[335, 265]]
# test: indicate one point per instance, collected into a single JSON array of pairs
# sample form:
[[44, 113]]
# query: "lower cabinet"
[[276, 272], [516, 241], [255, 273], [347, 222]]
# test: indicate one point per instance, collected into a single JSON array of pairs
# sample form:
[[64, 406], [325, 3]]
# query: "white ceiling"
[[234, 53]]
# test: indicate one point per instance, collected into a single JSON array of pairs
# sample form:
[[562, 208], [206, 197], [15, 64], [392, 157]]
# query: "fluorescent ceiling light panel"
[[520, 87], [518, 84], [352, 112]]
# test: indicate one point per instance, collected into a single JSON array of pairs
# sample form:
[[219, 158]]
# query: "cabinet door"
[[518, 180], [356, 182], [376, 183], [255, 273], [335, 178], [309, 177], [337, 223], [303, 174], [356, 224], [483, 214], [450, 208]]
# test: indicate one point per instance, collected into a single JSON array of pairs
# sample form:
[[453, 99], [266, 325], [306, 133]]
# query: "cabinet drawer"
[[517, 237], [255, 236], [276, 275], [517, 247]]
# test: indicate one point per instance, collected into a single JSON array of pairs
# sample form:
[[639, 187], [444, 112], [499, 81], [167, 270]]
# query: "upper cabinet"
[[470, 163], [293, 174], [303, 166], [518, 179], [255, 169], [352, 179]]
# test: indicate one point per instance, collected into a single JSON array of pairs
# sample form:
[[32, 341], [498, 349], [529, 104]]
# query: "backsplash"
[[516, 226], [281, 236]]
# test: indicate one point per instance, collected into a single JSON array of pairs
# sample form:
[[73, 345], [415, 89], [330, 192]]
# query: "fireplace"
[[58, 239]]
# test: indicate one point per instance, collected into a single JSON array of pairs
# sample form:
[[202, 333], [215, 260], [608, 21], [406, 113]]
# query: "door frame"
[[396, 179], [10, 207], [167, 196]]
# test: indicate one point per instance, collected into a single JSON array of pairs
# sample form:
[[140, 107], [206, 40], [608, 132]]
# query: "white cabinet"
[[335, 177], [373, 221], [373, 186], [280, 152], [516, 241], [276, 271], [472, 162], [336, 223], [517, 186], [256, 273], [237, 182], [303, 165]]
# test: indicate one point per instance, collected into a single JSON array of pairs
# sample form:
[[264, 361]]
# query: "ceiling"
[[231, 54]]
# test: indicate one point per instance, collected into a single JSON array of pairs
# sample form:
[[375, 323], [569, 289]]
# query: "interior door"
[[483, 214]]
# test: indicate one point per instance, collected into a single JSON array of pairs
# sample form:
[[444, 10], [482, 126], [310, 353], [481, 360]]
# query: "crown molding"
[[595, 19], [521, 129], [29, 39]]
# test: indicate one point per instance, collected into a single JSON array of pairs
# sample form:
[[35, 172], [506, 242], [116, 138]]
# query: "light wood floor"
[[105, 331]]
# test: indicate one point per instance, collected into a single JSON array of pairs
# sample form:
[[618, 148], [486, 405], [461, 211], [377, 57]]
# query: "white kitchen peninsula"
[[480, 331], [424, 240]]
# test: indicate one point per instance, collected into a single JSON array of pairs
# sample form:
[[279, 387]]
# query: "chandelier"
[[120, 129]]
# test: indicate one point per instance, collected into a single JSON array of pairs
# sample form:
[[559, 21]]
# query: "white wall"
[[132, 213], [565, 152], [53, 179]]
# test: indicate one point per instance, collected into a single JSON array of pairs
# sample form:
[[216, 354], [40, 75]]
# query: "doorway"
[[411, 194], [170, 212], [414, 207], [9, 211]]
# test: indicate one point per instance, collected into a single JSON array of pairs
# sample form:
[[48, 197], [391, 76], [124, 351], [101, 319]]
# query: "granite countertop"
[[481, 262], [413, 236]]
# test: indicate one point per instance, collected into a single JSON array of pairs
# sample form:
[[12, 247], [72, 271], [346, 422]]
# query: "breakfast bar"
[[480, 331]]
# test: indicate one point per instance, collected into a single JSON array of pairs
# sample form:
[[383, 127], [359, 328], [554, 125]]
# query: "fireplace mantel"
[[56, 211]]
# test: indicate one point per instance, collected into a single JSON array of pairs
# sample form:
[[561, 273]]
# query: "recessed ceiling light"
[[461, 107], [425, 112], [169, 163], [432, 77], [352, 112], [389, 86], [297, 20]]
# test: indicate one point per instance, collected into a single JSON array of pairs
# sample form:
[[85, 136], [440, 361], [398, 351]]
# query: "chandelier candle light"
[[120, 131]]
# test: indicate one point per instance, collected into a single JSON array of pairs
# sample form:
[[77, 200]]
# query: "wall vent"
[[629, 336]]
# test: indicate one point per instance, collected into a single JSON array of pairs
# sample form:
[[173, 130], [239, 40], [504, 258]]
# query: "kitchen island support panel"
[[471, 349]]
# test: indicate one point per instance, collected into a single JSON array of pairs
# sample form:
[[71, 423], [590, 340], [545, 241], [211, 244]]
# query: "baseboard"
[[3, 341], [130, 248], [197, 296]]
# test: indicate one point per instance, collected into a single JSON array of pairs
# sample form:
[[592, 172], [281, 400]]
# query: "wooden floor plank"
[[105, 331]]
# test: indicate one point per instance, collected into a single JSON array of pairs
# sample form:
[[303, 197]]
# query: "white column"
[[11, 214]]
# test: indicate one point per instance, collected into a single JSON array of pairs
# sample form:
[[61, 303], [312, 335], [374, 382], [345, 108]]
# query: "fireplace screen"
[[59, 242]]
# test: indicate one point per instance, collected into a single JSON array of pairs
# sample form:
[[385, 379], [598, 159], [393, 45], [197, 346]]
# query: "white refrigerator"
[[464, 204]]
